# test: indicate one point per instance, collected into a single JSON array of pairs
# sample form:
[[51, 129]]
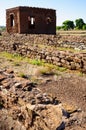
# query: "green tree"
[[58, 27], [84, 27], [79, 23], [67, 25]]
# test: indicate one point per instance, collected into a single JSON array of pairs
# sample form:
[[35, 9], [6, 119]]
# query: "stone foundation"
[[43, 47]]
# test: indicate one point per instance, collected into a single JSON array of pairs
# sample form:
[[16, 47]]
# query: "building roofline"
[[21, 7]]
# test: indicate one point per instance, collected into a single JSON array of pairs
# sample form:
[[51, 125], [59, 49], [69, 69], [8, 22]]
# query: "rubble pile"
[[23, 106]]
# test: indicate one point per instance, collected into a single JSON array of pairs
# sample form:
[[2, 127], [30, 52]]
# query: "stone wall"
[[43, 20], [9, 22], [38, 46]]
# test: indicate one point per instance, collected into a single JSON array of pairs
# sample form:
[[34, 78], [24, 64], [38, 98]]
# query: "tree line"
[[79, 24]]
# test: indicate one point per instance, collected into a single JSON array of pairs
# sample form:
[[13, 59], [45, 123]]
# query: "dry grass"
[[73, 32]]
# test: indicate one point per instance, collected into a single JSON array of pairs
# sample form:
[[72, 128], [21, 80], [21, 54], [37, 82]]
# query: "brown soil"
[[68, 89]]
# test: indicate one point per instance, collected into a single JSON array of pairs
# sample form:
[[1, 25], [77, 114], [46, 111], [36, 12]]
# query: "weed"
[[46, 71], [61, 69], [55, 67], [6, 55], [10, 56], [80, 74], [36, 62]]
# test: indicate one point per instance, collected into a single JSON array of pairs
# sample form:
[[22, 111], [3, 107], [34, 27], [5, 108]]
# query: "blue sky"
[[65, 9]]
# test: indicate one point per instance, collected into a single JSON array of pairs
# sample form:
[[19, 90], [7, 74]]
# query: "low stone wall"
[[24, 45]]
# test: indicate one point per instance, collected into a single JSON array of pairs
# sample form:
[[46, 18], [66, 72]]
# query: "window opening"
[[12, 20], [48, 20], [31, 22]]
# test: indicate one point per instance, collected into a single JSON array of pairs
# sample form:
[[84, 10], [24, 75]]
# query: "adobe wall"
[[22, 16], [40, 16], [30, 46], [15, 12]]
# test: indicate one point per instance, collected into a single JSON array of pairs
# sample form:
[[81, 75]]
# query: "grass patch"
[[9, 56], [61, 69], [18, 60], [72, 32], [36, 62], [6, 55], [55, 67], [46, 71], [80, 74]]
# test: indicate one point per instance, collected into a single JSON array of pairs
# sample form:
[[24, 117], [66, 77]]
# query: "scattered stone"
[[24, 106], [48, 50]]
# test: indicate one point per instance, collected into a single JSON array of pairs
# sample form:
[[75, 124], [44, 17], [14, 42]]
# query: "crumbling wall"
[[31, 47]]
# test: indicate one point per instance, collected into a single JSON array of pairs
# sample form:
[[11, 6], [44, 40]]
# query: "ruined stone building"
[[30, 20]]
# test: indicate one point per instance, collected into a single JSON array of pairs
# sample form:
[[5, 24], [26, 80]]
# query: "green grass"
[[6, 55], [61, 69], [36, 62], [18, 60], [44, 68], [10, 56]]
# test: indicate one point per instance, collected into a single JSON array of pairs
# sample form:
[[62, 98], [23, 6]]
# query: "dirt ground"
[[68, 89]]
